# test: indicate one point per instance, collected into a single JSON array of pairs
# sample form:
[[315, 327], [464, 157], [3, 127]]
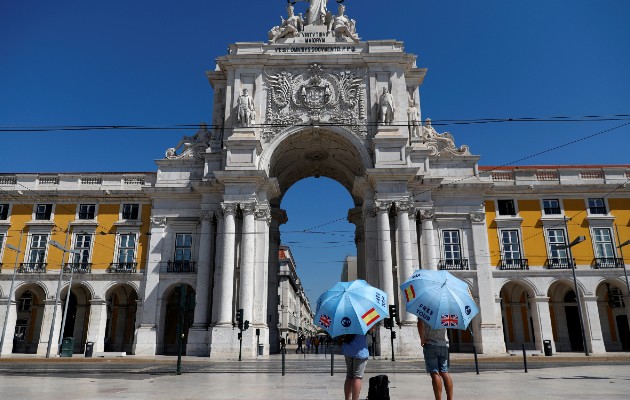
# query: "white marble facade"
[[318, 98]]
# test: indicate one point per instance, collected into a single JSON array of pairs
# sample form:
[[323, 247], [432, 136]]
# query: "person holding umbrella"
[[440, 301], [349, 310], [435, 348]]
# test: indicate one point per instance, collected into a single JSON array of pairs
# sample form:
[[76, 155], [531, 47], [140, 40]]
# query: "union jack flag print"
[[449, 320], [324, 320]]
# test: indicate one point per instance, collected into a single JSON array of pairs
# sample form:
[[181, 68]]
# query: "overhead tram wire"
[[403, 123]]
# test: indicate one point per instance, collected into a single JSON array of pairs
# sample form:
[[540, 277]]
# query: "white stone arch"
[[358, 148], [29, 321], [565, 326], [112, 284], [517, 314], [166, 327], [121, 316]]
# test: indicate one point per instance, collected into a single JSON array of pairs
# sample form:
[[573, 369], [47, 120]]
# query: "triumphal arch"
[[313, 99]]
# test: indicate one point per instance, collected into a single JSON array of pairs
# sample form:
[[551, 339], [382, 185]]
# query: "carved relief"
[[383, 206], [228, 208], [441, 143], [191, 146], [427, 214], [206, 215], [248, 208], [404, 206], [477, 217], [315, 97], [158, 221], [263, 213]]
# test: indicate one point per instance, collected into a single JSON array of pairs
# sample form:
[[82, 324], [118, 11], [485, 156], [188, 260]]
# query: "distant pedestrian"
[[356, 353], [316, 344], [435, 347], [308, 344], [300, 341]]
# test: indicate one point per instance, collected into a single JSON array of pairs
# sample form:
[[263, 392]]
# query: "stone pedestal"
[[592, 325], [145, 343]]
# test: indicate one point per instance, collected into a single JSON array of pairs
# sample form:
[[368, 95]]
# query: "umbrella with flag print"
[[439, 299], [350, 308]]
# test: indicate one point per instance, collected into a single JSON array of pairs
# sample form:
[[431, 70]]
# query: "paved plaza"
[[154, 378]]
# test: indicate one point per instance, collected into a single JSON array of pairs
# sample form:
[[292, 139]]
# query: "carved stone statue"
[[246, 111], [200, 141], [289, 27], [428, 131], [343, 26], [316, 14], [413, 116], [386, 107]]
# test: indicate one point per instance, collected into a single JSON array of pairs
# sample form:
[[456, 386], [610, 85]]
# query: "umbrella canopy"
[[439, 299], [350, 308]]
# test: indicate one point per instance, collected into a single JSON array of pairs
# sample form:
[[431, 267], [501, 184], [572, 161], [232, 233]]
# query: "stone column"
[[542, 322], [261, 264], [386, 281], [491, 336], [371, 246], [278, 217], [197, 344], [405, 266], [413, 234], [98, 322], [225, 271], [355, 216], [430, 253], [9, 329], [47, 320], [592, 325], [146, 335], [248, 248]]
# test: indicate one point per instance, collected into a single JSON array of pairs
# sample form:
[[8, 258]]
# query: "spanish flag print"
[[370, 316], [410, 294]]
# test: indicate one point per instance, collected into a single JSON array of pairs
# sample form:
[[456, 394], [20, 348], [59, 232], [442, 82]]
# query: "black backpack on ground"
[[379, 388]]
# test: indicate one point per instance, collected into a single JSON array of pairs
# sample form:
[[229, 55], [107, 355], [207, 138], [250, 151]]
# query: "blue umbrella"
[[350, 308], [439, 299]]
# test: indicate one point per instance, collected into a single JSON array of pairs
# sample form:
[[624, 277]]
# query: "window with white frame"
[[597, 206], [557, 238], [26, 301], [604, 247], [4, 212], [43, 212], [87, 211], [183, 248], [551, 206], [127, 249], [506, 207], [21, 325], [83, 243], [452, 245], [130, 211], [510, 244], [37, 252]]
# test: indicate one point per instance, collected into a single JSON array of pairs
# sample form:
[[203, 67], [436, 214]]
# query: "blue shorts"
[[435, 358]]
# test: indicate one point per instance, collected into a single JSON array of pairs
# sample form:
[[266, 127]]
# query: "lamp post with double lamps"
[[54, 319], [577, 240], [10, 295]]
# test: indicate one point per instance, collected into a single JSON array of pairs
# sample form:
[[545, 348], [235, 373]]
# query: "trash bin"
[[261, 349], [547, 347], [89, 349], [67, 347]]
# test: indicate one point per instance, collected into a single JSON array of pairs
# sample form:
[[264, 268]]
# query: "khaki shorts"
[[355, 367]]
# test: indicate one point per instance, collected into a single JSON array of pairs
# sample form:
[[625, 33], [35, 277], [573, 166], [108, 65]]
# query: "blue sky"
[[143, 62]]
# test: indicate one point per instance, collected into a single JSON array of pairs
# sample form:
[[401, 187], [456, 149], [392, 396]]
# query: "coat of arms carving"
[[315, 97]]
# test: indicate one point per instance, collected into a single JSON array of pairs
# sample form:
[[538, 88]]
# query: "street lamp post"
[[54, 319], [577, 240], [10, 295]]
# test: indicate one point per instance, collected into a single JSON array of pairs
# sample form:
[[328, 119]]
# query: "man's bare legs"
[[352, 388], [436, 381]]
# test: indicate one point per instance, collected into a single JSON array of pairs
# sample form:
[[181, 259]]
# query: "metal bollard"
[[524, 358], [332, 362], [284, 353]]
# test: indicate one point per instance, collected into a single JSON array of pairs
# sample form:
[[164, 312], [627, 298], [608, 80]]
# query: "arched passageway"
[[76, 321], [613, 314], [518, 324], [122, 303], [28, 323], [567, 331], [176, 322]]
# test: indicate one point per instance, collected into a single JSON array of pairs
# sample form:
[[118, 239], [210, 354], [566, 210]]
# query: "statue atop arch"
[[317, 12]]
